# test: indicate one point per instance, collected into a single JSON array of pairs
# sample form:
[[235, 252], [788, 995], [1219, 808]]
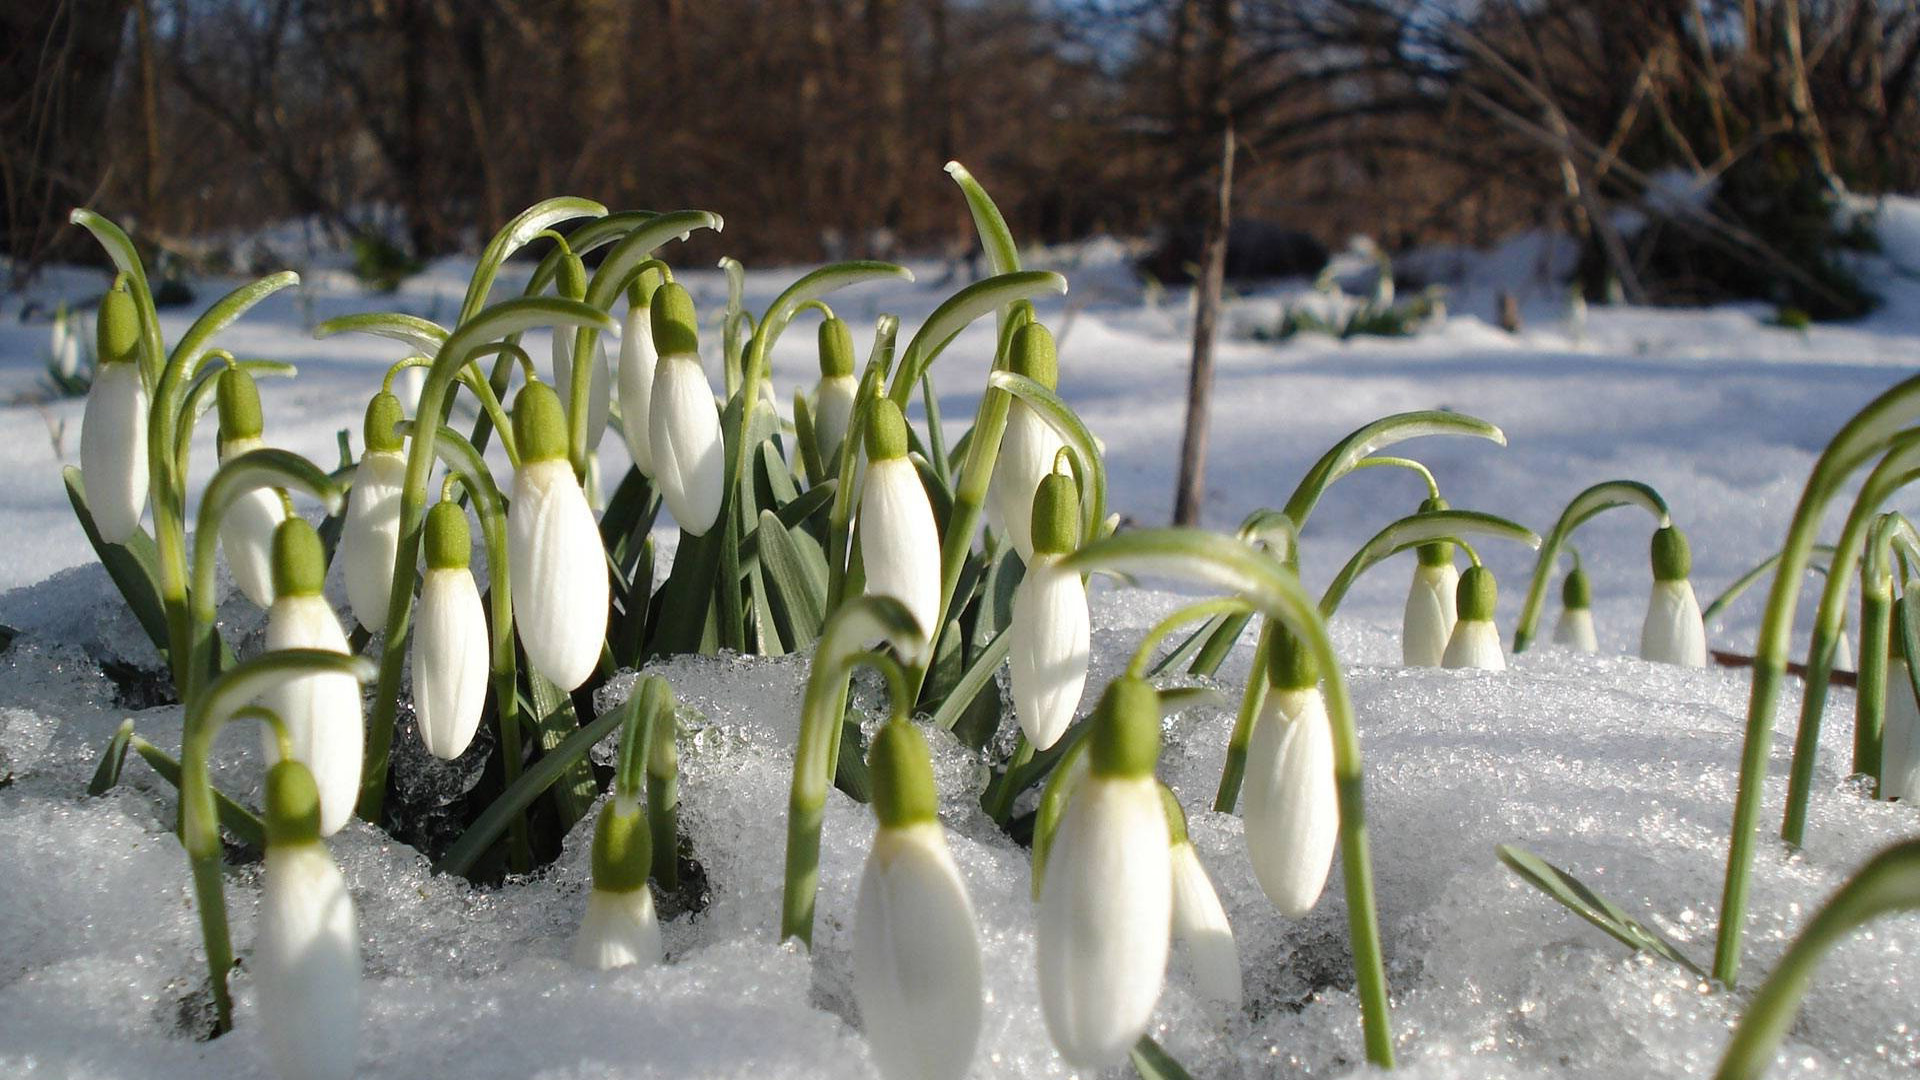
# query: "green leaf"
[[1154, 1063], [976, 680], [555, 720], [799, 587], [107, 773], [793, 515], [243, 823], [1003, 255], [126, 258], [1067, 424], [1344, 456], [225, 311], [515, 235], [1572, 893], [133, 566], [1602, 496], [1413, 531], [957, 312], [421, 335], [1741, 584]]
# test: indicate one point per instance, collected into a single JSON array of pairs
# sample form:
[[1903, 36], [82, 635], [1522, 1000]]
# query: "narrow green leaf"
[[107, 773], [1068, 425], [225, 311], [421, 335], [515, 235], [800, 589], [1344, 456], [978, 677], [1153, 1062], [1609, 917], [555, 720], [133, 566], [957, 312], [1412, 531], [243, 823], [1600, 497], [1003, 255]]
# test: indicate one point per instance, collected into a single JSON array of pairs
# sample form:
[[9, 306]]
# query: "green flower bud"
[[622, 849], [886, 431], [1126, 730], [539, 423], [299, 560], [1476, 595], [1292, 666], [449, 542], [293, 805], [383, 415], [1575, 593], [675, 324], [836, 349], [117, 327], [239, 402], [570, 281], [648, 282], [902, 773], [1672, 556], [1056, 515], [1032, 354], [1440, 552]]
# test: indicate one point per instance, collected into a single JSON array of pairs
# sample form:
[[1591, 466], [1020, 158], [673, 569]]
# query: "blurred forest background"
[[412, 128]]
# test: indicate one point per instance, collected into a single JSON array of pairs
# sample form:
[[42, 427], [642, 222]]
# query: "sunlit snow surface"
[[1620, 771]]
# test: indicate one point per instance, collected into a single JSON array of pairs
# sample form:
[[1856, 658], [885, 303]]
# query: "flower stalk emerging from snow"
[[683, 423], [1030, 445], [247, 531], [916, 952], [899, 543], [450, 639], [1475, 643], [1106, 904], [1428, 621], [321, 712], [113, 433], [370, 535], [1673, 632], [1575, 628], [1199, 921], [306, 954], [1049, 647], [1292, 809], [559, 569]]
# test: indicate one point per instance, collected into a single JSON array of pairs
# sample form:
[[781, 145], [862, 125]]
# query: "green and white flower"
[[1427, 623], [833, 396], [620, 928], [1199, 921], [1030, 446], [450, 661], [370, 535], [1475, 642], [1291, 806], [557, 565], [1575, 628], [113, 432], [321, 712], [899, 543], [1050, 637], [1674, 632], [638, 361], [683, 422], [247, 532]]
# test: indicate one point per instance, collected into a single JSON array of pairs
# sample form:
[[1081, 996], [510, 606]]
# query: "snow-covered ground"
[[1619, 770]]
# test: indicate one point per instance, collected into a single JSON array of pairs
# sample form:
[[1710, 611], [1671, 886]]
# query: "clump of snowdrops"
[[840, 530]]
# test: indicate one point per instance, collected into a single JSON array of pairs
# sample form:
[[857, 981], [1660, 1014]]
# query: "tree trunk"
[[1193, 447]]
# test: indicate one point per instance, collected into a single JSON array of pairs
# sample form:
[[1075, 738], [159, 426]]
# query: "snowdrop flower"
[[638, 359], [620, 928], [247, 532], [450, 661], [916, 952], [1429, 617], [321, 712], [1575, 629], [1475, 643], [63, 350], [1050, 644], [1199, 922], [113, 433], [557, 565], [370, 535], [899, 543], [833, 396], [1030, 445], [1674, 632], [572, 283], [1106, 902], [306, 955], [1900, 731], [683, 423], [1292, 810]]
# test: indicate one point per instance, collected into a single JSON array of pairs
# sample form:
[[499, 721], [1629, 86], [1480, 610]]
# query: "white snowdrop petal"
[[306, 962], [1048, 649], [1027, 452], [1900, 736], [1674, 632], [638, 358], [689, 458], [1200, 925], [450, 661], [113, 450], [246, 534], [1429, 617], [1475, 644], [1290, 803], [321, 712], [370, 535], [620, 929], [599, 385], [559, 573], [916, 958], [833, 412], [899, 542], [1105, 922], [1575, 630]]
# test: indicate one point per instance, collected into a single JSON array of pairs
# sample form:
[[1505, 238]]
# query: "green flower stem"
[[840, 648], [1228, 563], [663, 787], [1181, 616], [1821, 554], [846, 492], [1602, 496], [1413, 531], [1864, 436], [464, 462], [515, 235], [507, 317], [1233, 771], [959, 310], [1277, 533], [1870, 692], [1901, 466], [1889, 882], [210, 709], [1378, 461], [200, 398], [243, 823]]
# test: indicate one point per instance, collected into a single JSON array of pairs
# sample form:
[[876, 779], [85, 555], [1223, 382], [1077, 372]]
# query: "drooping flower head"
[[1199, 921], [833, 396], [554, 554], [113, 431], [321, 712], [1030, 445], [1049, 644], [1430, 614], [1292, 806], [638, 361], [306, 955], [370, 535], [900, 544], [246, 533], [683, 424], [450, 661], [1575, 629], [1674, 632], [620, 928], [1475, 642]]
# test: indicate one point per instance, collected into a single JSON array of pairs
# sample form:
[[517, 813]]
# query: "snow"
[[1621, 771]]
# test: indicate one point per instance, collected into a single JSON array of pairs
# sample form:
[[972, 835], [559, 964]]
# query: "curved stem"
[[1203, 609], [1600, 497], [1745, 581], [846, 491], [1413, 531], [1386, 461]]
